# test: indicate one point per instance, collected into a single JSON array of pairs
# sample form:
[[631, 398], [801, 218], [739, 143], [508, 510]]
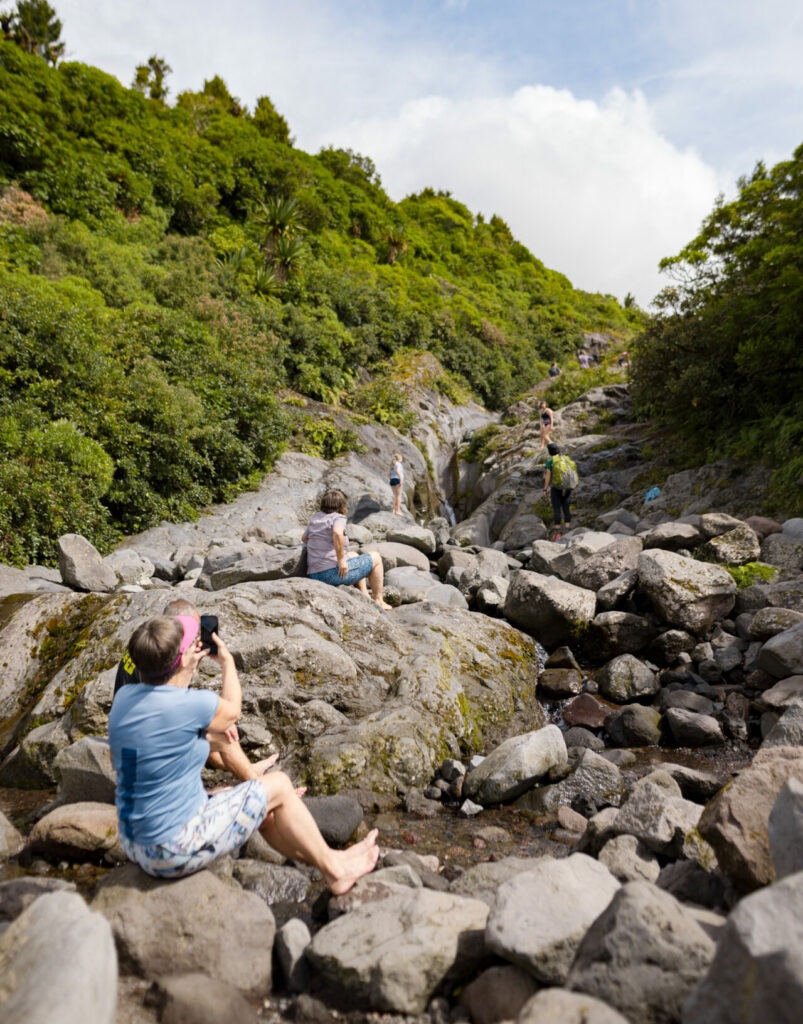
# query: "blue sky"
[[601, 130]]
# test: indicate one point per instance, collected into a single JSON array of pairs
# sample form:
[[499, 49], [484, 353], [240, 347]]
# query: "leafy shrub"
[[573, 383], [325, 439], [480, 444], [384, 401]]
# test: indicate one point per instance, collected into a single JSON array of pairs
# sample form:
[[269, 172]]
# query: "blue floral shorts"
[[223, 824], [359, 568]]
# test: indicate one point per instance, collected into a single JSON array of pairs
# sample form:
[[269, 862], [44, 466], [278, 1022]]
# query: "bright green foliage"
[[384, 401], [750, 573], [164, 270], [480, 444], [324, 438], [723, 364], [575, 382]]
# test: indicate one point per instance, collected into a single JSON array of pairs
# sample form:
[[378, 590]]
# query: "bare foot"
[[353, 863], [260, 767], [384, 605]]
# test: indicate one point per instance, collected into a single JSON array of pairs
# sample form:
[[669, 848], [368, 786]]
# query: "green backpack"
[[564, 473]]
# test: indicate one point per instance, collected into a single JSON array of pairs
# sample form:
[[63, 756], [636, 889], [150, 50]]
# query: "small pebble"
[[571, 820], [468, 809]]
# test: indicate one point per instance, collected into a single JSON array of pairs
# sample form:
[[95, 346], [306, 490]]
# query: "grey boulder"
[[688, 594], [735, 547], [395, 954], [86, 772], [11, 841], [198, 923], [81, 565], [736, 821], [692, 729], [592, 775], [643, 955], [58, 965], [515, 765], [782, 654], [626, 679], [559, 1006], [757, 972], [548, 608], [541, 915], [786, 829]]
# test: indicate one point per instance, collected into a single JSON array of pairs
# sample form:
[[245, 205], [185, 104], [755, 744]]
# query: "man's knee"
[[277, 785], [376, 558]]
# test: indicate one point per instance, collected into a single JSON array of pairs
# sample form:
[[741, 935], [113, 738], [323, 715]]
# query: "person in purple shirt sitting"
[[328, 560], [158, 738]]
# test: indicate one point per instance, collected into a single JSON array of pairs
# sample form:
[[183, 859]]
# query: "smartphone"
[[209, 625]]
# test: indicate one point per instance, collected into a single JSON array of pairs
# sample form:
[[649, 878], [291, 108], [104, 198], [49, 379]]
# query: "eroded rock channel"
[[584, 756]]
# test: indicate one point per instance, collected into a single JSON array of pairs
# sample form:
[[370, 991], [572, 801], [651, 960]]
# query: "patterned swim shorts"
[[359, 568], [223, 824]]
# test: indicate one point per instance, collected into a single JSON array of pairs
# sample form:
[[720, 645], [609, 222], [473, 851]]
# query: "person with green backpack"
[[560, 480]]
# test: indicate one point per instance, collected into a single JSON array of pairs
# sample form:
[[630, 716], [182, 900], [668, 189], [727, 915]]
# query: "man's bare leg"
[[232, 758], [292, 825]]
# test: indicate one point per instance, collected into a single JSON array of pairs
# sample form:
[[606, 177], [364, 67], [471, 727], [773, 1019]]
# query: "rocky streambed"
[[584, 757]]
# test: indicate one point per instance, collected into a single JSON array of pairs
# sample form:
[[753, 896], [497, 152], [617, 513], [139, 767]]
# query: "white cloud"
[[591, 188]]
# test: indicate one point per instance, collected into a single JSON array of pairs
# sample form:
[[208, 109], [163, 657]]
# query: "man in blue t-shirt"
[[224, 750]]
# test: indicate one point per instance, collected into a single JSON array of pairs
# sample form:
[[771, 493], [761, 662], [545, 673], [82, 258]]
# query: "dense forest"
[[721, 364], [171, 273]]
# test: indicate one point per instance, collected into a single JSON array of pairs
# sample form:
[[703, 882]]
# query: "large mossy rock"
[[350, 696]]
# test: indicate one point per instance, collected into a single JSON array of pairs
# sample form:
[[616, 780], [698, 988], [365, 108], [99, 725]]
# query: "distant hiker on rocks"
[[560, 480], [547, 422], [327, 551], [396, 481], [157, 733], [583, 359], [554, 370]]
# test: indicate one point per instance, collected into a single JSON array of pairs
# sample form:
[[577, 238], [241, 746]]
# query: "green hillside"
[[167, 272]]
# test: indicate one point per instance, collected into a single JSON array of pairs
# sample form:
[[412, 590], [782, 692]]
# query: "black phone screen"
[[209, 625]]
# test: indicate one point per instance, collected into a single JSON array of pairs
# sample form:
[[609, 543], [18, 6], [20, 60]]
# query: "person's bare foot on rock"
[[260, 767], [353, 863], [384, 606]]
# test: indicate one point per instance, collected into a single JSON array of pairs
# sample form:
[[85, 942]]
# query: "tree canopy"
[[723, 362]]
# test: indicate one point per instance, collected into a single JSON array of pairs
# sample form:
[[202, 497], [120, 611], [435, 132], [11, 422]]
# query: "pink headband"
[[191, 630]]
